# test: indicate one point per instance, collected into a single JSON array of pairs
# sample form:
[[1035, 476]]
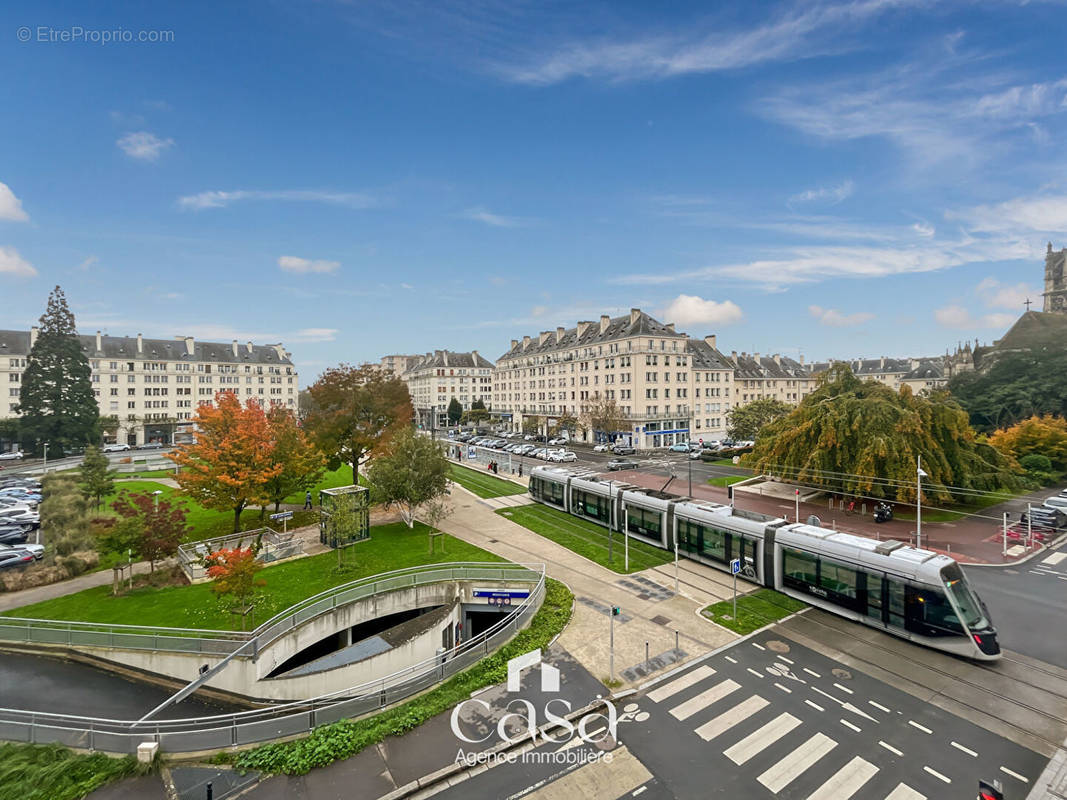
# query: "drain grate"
[[659, 619]]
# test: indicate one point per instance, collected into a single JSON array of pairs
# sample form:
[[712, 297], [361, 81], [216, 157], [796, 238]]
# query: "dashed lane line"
[[843, 689], [915, 724], [848, 724], [787, 691], [812, 672], [816, 706], [758, 646], [758, 675], [890, 748], [731, 660], [966, 750], [937, 774], [880, 707], [1015, 775]]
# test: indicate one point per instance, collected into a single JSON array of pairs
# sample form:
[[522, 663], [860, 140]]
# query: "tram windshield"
[[970, 610]]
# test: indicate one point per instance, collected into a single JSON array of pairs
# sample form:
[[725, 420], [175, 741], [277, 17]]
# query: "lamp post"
[[44, 467], [155, 498], [919, 475]]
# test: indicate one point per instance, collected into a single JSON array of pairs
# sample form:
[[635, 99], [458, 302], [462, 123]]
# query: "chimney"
[[33, 336], [915, 363], [140, 344], [777, 359], [525, 342], [801, 359], [710, 341], [474, 357], [98, 342], [582, 328], [248, 346], [669, 326], [545, 336], [756, 357], [733, 355], [605, 320], [514, 343], [233, 347], [635, 314], [559, 334]]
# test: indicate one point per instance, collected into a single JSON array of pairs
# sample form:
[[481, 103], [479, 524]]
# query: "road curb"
[[1040, 551]]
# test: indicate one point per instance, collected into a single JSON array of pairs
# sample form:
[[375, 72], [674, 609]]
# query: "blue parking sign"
[[735, 566]]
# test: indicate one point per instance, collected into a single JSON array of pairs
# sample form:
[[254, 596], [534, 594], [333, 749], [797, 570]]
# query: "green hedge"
[[344, 739]]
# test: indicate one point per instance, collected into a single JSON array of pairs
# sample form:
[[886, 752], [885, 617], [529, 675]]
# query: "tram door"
[[745, 549]]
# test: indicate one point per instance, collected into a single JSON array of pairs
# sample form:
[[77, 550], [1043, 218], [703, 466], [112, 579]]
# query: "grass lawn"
[[586, 538], [151, 473], [331, 480], [726, 480], [52, 772], [390, 547], [481, 484], [753, 610]]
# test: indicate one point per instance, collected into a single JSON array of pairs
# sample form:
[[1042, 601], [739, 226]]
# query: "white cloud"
[[796, 34], [828, 194], [216, 199], [495, 220], [314, 335], [834, 318], [88, 263], [406, 286], [1042, 214], [306, 265], [143, 146], [11, 206], [999, 295], [11, 263], [688, 309], [924, 229], [954, 316]]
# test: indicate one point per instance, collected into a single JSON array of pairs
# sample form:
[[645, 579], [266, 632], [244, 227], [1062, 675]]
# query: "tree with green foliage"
[[161, 520], [862, 438], [301, 464], [455, 411], [745, 422], [97, 477], [1045, 436], [65, 521], [412, 473], [56, 400], [1019, 385]]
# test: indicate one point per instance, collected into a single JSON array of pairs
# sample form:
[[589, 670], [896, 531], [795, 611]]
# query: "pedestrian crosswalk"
[[724, 718]]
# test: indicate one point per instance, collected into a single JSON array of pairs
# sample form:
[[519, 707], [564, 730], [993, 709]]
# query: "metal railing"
[[298, 717], [274, 546], [129, 637]]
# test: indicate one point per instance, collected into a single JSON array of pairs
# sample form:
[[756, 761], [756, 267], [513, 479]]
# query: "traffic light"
[[615, 611], [990, 790]]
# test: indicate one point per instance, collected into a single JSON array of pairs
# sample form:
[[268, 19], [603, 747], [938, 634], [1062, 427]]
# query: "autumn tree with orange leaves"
[[357, 411], [234, 572], [230, 464], [301, 462]]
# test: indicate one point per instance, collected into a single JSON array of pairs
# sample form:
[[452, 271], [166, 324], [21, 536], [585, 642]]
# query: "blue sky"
[[877, 177]]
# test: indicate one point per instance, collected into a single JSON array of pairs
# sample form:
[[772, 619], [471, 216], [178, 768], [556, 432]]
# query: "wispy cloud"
[[144, 146], [10, 206], [314, 335], [1000, 295], [307, 265], [220, 199], [1042, 214], [88, 263], [495, 220], [805, 32], [955, 316], [837, 319], [688, 309], [831, 195], [11, 263]]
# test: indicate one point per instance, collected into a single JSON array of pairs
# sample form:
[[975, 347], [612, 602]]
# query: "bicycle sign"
[[735, 566]]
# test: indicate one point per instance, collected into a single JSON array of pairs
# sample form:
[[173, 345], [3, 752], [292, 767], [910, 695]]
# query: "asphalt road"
[[1028, 604]]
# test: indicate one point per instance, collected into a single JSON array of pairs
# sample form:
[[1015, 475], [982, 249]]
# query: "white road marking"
[[640, 790], [904, 792], [1035, 572], [880, 707], [937, 774], [815, 705], [726, 720], [966, 750], [844, 705], [923, 728], [848, 724], [758, 741], [812, 672], [786, 660], [1062, 577], [843, 689], [704, 699], [1015, 775], [731, 660], [758, 646], [890, 748], [677, 685], [781, 774], [1054, 559], [846, 781], [754, 672], [787, 691]]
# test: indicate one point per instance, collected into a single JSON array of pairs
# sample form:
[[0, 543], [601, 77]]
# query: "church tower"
[[1055, 281]]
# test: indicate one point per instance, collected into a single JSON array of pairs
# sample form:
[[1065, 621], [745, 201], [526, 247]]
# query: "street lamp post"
[[44, 467], [919, 475]]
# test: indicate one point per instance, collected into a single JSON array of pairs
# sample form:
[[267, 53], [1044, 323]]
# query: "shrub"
[[1035, 462]]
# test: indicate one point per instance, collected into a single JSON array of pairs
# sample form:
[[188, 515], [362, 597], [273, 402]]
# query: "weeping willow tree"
[[862, 438]]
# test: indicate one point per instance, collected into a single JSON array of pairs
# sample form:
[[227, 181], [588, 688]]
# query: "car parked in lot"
[[621, 463], [623, 450], [15, 558], [116, 448], [558, 440], [150, 446], [14, 534], [1057, 502], [12, 455], [679, 448], [562, 456], [525, 449], [35, 550], [601, 448]]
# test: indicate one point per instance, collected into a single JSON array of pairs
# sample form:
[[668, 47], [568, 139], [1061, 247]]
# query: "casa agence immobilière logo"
[[522, 722]]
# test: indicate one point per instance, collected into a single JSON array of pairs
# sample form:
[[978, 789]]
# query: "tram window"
[[837, 578], [644, 522], [798, 569], [547, 490], [715, 545], [930, 613], [895, 595], [592, 505], [874, 595]]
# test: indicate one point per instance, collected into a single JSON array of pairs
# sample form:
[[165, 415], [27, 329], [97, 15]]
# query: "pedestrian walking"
[[307, 500]]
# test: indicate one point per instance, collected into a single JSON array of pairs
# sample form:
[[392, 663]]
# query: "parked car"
[[695, 454], [525, 449], [15, 558], [35, 550], [13, 534], [558, 440], [116, 448], [561, 456], [1056, 502], [13, 455], [150, 446], [621, 463], [679, 448], [623, 450], [601, 448]]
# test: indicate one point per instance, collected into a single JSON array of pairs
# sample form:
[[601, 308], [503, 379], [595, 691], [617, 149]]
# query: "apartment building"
[[757, 377], [714, 389], [396, 365], [436, 378], [151, 387], [920, 374]]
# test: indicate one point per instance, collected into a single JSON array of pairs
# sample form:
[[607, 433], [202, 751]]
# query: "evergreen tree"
[[455, 411], [745, 422], [56, 399], [97, 477]]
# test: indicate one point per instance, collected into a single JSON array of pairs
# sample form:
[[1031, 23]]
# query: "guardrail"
[[274, 546], [299, 717], [132, 637]]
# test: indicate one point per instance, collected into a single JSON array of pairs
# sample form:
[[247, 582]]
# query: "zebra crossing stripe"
[[846, 781], [704, 699], [904, 792], [679, 684], [782, 774], [755, 743], [726, 720]]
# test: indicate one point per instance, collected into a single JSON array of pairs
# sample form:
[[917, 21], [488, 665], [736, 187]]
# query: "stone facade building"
[[150, 387], [437, 377], [1055, 281]]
